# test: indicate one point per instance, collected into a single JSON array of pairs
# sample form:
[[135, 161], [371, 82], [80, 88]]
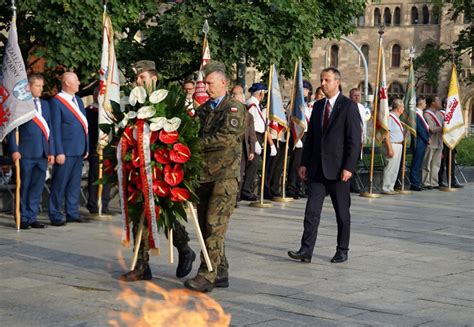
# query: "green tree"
[[434, 57], [67, 34]]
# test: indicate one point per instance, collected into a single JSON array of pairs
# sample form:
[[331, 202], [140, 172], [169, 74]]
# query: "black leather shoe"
[[427, 188], [339, 257], [292, 195], [415, 188], [77, 220], [248, 197], [185, 262], [37, 224], [299, 255], [24, 225], [58, 223], [141, 272], [222, 282], [442, 184], [199, 284], [456, 185]]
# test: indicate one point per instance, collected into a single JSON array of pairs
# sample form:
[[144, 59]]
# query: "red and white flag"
[[383, 110], [109, 87], [453, 126], [16, 101]]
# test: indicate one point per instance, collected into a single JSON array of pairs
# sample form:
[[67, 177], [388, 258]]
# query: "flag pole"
[[370, 193], [261, 203], [283, 197], [17, 162], [405, 138]]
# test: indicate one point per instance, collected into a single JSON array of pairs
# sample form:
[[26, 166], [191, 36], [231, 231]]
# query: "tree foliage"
[[433, 58], [67, 34]]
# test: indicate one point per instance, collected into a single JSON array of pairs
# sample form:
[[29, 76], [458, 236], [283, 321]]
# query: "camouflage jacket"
[[222, 132]]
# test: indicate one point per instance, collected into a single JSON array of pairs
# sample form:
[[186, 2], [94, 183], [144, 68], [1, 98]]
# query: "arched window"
[[377, 17], [395, 90], [365, 51], [396, 17], [435, 15], [387, 17], [427, 90], [361, 88], [361, 20], [334, 55], [414, 15], [426, 15], [396, 54]]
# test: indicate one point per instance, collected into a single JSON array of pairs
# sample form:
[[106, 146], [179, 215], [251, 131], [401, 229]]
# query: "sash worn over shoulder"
[[74, 110], [397, 121], [42, 124], [435, 118], [420, 115]]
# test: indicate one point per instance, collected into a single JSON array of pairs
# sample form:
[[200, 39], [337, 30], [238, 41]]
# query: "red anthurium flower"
[[180, 153], [162, 156], [173, 175], [108, 166], [156, 172], [154, 137], [128, 134], [136, 182], [168, 138], [161, 188], [179, 194]]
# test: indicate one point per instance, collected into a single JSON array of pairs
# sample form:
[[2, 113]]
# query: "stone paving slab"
[[410, 264]]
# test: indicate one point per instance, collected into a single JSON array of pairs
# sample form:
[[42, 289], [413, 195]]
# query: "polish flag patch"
[[234, 109]]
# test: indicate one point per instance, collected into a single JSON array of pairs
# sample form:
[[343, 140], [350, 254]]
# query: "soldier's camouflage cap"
[[143, 66], [213, 66]]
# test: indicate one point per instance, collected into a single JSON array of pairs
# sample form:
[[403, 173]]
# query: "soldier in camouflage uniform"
[[222, 131], [146, 75]]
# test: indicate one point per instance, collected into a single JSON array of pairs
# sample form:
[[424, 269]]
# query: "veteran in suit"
[[328, 161], [35, 149], [70, 129]]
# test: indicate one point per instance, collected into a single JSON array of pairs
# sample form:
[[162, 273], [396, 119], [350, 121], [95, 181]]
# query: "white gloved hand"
[[258, 148], [299, 144], [273, 150]]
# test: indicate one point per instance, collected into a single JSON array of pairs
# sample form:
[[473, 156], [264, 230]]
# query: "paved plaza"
[[410, 264]]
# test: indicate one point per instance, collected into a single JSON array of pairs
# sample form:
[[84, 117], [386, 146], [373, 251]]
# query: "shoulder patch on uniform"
[[234, 122], [234, 109]]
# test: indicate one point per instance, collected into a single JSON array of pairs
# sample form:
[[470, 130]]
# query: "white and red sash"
[[42, 124], [435, 118], [258, 110], [419, 113], [397, 121], [74, 109]]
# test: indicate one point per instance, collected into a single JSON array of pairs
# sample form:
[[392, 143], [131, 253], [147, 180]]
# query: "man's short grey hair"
[[397, 103]]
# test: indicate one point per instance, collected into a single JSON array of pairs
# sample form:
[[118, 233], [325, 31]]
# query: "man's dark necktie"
[[35, 101], [326, 115]]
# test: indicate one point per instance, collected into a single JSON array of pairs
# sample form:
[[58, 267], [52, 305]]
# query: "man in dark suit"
[[329, 159], [72, 145], [419, 145], [35, 149]]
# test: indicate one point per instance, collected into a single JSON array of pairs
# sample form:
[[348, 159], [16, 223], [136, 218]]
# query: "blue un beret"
[[257, 87]]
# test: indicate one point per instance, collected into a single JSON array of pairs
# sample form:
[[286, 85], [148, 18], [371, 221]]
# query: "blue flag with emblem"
[[298, 119], [277, 114], [16, 101]]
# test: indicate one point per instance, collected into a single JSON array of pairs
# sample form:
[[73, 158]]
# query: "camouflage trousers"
[[180, 239], [216, 204]]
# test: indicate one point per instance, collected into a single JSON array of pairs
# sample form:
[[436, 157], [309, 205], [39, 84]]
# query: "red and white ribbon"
[[74, 109], [433, 116], [122, 186], [143, 143], [42, 124]]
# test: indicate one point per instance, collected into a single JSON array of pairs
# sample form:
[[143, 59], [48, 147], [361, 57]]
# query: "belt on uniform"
[[397, 142]]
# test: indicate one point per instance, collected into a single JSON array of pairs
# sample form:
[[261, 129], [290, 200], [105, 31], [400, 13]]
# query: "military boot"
[[185, 262], [141, 272]]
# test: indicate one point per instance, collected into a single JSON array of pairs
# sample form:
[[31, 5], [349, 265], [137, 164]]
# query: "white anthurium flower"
[[129, 115], [146, 112], [157, 123], [138, 94], [158, 96], [172, 124]]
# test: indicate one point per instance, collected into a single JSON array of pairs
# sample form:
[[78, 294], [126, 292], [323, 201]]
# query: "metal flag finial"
[[205, 27], [412, 52]]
